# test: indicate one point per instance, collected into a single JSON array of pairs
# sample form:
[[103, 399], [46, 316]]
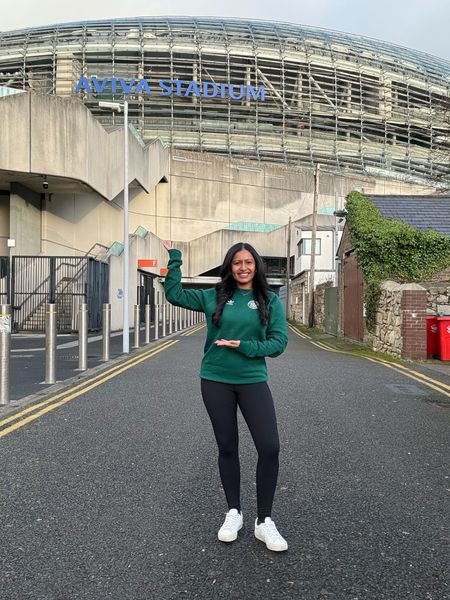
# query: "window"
[[304, 247]]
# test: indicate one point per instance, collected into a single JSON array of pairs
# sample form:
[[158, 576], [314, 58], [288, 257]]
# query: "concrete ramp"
[[60, 138], [207, 252]]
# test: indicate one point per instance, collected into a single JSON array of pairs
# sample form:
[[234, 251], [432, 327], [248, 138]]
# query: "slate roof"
[[421, 212]]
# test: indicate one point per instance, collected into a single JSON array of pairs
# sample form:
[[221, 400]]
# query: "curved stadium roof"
[[336, 98]]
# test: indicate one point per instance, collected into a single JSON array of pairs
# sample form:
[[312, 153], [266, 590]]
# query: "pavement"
[[112, 491], [27, 366]]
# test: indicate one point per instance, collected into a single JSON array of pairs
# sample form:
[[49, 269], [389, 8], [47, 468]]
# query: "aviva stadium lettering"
[[169, 87]]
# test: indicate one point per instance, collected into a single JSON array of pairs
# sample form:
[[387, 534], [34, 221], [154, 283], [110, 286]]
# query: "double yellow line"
[[35, 411], [191, 331], [435, 384]]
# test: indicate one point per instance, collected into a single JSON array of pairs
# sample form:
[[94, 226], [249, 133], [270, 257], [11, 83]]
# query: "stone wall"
[[438, 293], [319, 304], [387, 336], [401, 321], [299, 299]]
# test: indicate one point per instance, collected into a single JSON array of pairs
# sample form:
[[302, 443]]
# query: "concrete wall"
[[25, 220], [59, 137], [210, 192], [150, 247]]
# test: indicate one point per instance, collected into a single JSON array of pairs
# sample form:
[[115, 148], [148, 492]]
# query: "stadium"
[[348, 102], [230, 122]]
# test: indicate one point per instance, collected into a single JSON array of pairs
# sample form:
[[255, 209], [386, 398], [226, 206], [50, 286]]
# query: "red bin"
[[432, 337], [444, 337]]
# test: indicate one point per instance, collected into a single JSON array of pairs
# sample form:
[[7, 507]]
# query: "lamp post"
[[288, 270], [116, 106]]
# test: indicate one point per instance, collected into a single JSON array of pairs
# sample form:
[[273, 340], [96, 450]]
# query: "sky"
[[419, 24]]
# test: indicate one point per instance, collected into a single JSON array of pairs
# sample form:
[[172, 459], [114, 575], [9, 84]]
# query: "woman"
[[245, 323]]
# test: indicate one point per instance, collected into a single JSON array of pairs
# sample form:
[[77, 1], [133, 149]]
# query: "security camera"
[[45, 183]]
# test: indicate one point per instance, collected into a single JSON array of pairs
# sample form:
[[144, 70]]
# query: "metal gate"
[[353, 299], [4, 280], [331, 305], [65, 281], [146, 295]]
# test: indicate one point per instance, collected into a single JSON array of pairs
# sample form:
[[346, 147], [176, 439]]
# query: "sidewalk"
[[429, 367], [27, 362]]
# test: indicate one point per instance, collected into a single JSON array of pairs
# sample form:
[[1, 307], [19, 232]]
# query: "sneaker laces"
[[232, 520], [272, 530]]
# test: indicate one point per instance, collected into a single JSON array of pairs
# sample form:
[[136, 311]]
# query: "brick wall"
[[414, 327]]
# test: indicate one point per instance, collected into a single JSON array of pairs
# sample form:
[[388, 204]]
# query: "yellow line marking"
[[194, 330], [421, 375], [410, 375], [34, 407], [80, 392], [416, 375], [302, 335]]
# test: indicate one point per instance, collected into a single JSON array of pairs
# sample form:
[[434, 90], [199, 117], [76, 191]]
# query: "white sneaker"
[[229, 530], [268, 533]]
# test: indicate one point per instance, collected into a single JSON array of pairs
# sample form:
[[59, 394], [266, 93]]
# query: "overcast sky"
[[419, 24]]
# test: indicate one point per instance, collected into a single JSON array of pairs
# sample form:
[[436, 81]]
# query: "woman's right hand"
[[167, 245]]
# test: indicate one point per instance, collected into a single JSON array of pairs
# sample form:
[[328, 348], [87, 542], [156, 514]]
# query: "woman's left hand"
[[228, 343]]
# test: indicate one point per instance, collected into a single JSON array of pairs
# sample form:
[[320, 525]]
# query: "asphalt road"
[[116, 494]]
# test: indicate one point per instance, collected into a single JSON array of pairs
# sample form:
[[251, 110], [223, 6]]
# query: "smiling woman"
[[246, 323]]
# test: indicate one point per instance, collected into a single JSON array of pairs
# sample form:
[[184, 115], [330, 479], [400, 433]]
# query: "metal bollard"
[[164, 310], [50, 344], [5, 349], [137, 318], [156, 322], [170, 318], [175, 319], [106, 331], [82, 337], [147, 323]]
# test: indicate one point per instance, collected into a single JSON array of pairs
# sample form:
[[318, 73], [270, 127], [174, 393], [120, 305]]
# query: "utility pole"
[[313, 249], [336, 239], [288, 270]]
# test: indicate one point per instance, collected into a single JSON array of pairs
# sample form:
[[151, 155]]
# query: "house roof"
[[323, 221], [421, 212]]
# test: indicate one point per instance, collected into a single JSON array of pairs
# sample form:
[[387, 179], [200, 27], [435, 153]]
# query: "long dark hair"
[[227, 286]]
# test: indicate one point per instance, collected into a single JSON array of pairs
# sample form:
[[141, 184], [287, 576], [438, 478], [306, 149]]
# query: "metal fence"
[[4, 279], [65, 281], [146, 295]]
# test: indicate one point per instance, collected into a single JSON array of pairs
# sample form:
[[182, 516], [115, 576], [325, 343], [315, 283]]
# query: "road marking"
[[81, 388], [411, 373], [198, 328]]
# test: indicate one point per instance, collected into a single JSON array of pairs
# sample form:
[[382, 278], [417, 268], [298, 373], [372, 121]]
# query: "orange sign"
[[163, 271], [147, 262]]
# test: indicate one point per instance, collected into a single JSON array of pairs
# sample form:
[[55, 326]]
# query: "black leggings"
[[256, 404]]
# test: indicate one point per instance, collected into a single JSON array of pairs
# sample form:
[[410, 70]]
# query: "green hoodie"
[[240, 320]]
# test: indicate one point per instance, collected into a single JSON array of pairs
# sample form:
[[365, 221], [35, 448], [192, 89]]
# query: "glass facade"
[[348, 102]]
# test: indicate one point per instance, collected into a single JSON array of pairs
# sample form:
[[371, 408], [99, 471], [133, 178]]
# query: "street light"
[[116, 106]]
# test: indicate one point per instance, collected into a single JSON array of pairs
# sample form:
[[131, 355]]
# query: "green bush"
[[391, 249]]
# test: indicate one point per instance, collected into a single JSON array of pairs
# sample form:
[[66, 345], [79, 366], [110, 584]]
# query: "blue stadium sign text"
[[169, 87]]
